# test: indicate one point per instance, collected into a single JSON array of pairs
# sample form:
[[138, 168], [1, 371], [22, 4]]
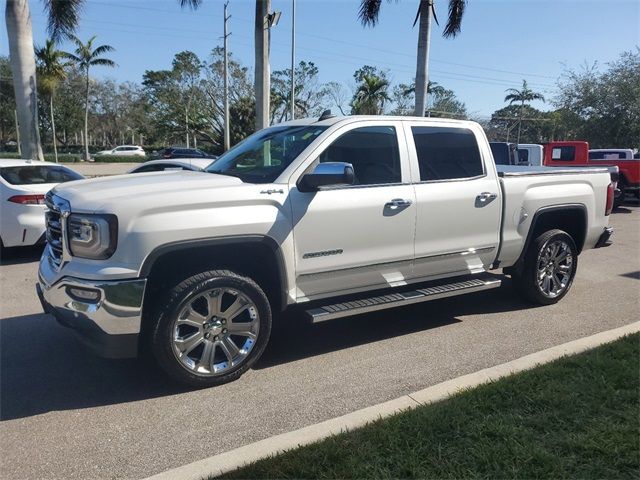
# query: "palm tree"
[[50, 68], [85, 56], [370, 12], [526, 95], [63, 17], [370, 96]]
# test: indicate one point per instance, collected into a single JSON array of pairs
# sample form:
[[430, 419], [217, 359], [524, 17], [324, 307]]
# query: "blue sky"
[[501, 42]]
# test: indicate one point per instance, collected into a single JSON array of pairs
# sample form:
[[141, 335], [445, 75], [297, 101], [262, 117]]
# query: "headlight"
[[92, 236]]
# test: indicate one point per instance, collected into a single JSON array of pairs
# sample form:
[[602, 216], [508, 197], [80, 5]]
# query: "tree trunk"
[[422, 63], [23, 68], [53, 129], [262, 80], [520, 121], [86, 118]]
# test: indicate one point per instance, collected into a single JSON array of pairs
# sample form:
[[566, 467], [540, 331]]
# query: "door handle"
[[398, 203], [485, 197]]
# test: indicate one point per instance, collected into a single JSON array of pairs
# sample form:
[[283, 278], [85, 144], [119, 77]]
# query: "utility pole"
[[227, 135], [293, 59], [15, 116]]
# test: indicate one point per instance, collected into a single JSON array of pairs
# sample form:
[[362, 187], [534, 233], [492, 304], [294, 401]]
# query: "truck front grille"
[[54, 232]]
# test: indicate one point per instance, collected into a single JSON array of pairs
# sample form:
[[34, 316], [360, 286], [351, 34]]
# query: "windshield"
[[263, 156]]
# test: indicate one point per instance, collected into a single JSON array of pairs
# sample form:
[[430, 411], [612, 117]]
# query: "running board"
[[392, 300]]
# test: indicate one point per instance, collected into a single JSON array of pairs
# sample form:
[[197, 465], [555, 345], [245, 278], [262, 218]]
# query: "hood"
[[115, 193]]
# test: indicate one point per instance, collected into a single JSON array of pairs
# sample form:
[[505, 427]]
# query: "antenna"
[[326, 115]]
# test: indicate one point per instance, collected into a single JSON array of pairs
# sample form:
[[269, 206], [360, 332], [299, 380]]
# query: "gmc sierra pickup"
[[337, 215]]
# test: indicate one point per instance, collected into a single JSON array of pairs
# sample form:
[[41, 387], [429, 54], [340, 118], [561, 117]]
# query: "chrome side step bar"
[[392, 300]]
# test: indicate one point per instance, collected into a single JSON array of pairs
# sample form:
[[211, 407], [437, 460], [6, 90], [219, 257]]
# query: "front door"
[[359, 236]]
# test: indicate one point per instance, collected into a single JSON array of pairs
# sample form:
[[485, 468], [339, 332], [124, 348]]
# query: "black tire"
[[182, 296], [526, 279]]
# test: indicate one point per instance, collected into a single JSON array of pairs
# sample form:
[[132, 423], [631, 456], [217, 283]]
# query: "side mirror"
[[326, 175]]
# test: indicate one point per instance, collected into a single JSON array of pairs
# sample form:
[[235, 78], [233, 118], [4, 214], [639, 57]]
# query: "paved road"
[[67, 414]]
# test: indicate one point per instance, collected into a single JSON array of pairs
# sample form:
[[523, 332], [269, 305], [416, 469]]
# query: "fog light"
[[83, 294]]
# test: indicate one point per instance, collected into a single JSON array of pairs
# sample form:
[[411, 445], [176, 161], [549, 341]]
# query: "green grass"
[[577, 417]]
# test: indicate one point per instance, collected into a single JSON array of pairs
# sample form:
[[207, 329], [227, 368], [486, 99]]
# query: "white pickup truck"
[[338, 215]]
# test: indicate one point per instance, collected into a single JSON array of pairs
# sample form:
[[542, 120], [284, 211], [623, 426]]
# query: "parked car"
[[626, 161], [624, 173], [505, 153], [180, 152], [23, 184], [194, 164], [530, 154], [333, 216], [124, 150]]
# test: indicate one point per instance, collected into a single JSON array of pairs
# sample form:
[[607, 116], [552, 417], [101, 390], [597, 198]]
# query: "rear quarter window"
[[37, 174]]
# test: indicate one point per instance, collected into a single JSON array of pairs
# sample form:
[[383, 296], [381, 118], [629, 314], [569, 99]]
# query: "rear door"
[[359, 236], [458, 200]]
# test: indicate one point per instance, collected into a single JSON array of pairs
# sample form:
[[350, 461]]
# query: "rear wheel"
[[549, 268], [213, 328]]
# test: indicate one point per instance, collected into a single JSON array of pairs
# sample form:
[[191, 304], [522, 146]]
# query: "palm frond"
[[101, 50], [454, 22], [192, 4], [105, 62], [369, 12], [63, 17]]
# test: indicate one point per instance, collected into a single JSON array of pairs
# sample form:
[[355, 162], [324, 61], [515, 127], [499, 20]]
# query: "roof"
[[16, 162], [359, 118]]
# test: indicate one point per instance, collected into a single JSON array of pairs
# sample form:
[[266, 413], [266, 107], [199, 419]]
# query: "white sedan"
[[194, 164], [124, 150], [23, 185]]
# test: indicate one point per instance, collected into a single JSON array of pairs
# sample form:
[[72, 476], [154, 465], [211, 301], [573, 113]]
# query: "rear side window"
[[607, 156], [35, 174], [373, 152], [563, 154], [523, 155], [447, 153]]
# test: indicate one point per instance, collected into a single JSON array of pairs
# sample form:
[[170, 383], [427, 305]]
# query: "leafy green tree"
[[536, 126], [63, 17], [523, 96], [372, 91], [7, 102], [369, 13], [50, 67], [310, 95], [604, 106], [86, 56]]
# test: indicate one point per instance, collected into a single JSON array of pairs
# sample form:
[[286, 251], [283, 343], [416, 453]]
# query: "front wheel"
[[550, 265], [213, 328]]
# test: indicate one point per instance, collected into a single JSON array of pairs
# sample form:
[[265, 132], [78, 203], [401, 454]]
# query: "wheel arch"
[[571, 218], [257, 256]]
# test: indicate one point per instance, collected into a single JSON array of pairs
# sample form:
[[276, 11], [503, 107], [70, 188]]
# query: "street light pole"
[[293, 59], [227, 136]]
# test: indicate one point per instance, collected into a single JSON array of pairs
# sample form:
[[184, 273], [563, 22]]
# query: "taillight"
[[28, 199], [609, 206]]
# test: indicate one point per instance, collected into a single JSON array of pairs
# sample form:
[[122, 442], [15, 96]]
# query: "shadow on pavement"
[[294, 338], [17, 255], [635, 275], [44, 368]]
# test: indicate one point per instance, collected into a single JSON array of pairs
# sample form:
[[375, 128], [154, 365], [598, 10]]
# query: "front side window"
[[373, 152], [447, 153], [263, 156]]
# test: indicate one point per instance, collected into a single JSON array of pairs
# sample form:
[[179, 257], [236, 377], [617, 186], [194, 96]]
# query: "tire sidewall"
[[162, 337]]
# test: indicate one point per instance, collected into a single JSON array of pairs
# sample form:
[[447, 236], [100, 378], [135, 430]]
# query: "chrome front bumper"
[[106, 314]]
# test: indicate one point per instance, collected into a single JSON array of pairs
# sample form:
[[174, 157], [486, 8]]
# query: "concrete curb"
[[238, 457]]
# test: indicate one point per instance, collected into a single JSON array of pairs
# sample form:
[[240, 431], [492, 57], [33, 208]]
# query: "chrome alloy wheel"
[[215, 331], [554, 268]]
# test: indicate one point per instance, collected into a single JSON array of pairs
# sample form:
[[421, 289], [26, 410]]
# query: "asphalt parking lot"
[[67, 414]]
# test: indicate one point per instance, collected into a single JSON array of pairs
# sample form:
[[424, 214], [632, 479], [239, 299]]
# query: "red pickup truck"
[[570, 153]]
